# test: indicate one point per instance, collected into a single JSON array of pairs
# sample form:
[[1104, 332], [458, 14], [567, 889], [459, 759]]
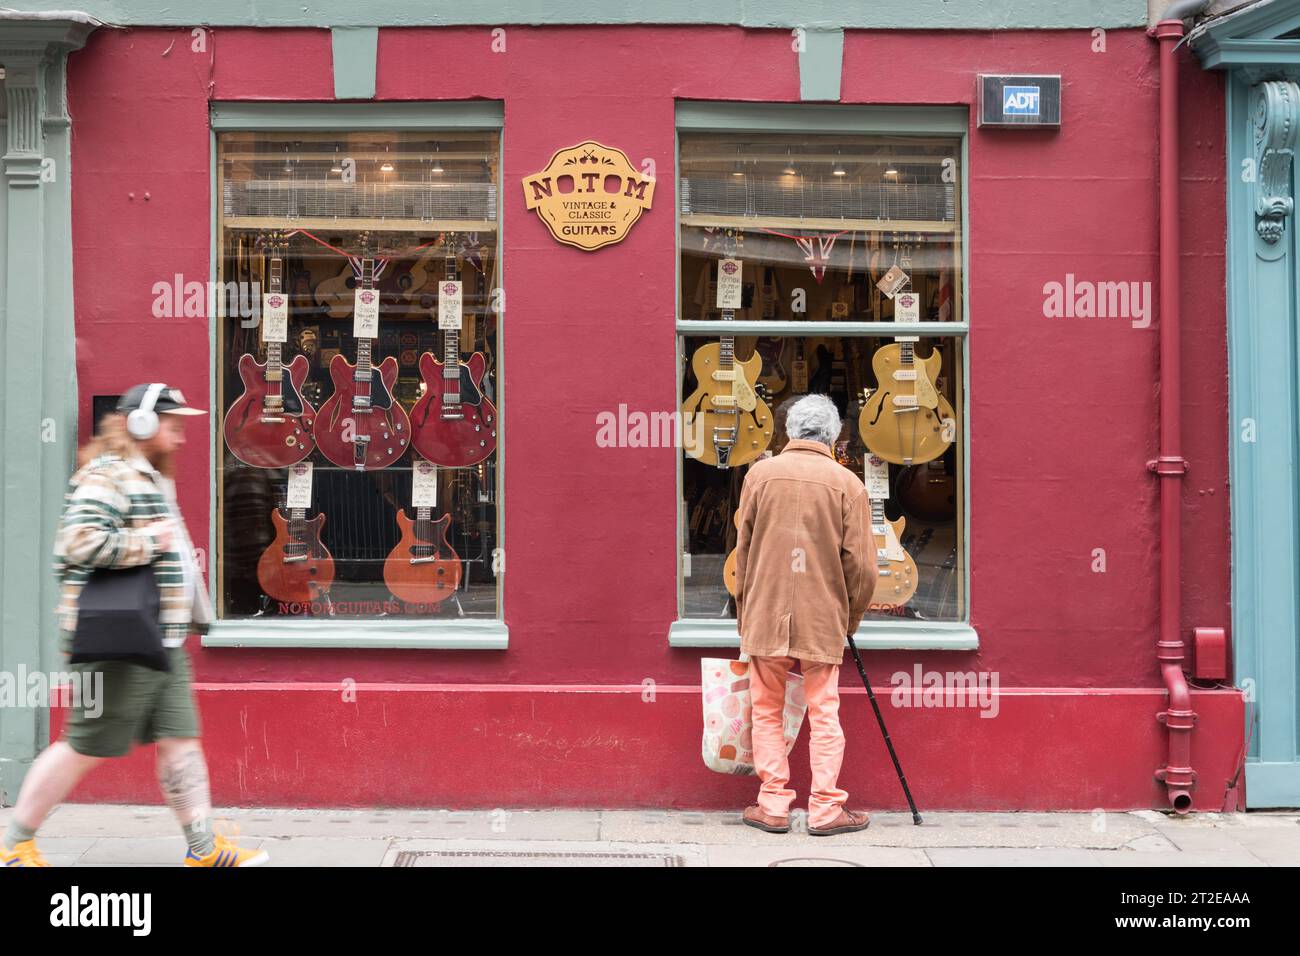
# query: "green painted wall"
[[877, 14]]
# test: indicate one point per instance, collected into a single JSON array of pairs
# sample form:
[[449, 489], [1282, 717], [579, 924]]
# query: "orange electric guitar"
[[423, 568], [296, 566]]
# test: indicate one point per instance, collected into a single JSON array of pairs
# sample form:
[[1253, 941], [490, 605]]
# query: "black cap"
[[170, 400]]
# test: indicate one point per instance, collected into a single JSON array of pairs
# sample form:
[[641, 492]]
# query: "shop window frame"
[[407, 633], [728, 117]]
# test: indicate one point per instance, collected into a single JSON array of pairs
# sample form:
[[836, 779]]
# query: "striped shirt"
[[108, 509]]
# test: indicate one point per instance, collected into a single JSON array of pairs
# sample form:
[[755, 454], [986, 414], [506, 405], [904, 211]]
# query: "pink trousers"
[[825, 742]]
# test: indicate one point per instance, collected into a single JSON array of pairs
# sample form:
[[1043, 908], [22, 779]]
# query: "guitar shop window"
[[823, 263], [357, 468]]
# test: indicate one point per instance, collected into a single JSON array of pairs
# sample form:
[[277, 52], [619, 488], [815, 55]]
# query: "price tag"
[[424, 484], [907, 307], [275, 317], [365, 314], [730, 292], [892, 281], [449, 304], [875, 474], [300, 485]]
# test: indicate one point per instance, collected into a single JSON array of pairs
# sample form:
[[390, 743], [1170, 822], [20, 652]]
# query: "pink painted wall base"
[[521, 746]]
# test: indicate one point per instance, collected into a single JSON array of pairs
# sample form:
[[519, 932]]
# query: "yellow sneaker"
[[24, 854], [227, 853]]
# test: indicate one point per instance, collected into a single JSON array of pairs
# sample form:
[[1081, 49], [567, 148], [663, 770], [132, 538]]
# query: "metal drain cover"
[[501, 853]]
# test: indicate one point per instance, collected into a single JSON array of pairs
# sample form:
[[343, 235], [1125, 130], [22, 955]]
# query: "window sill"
[[440, 635], [872, 635]]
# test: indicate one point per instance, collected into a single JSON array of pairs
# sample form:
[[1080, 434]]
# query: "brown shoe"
[[755, 817], [849, 821]]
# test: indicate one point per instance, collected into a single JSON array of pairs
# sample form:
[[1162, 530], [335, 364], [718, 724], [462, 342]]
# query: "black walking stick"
[[916, 817]]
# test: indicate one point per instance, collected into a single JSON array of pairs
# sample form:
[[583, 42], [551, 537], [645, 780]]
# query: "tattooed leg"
[[183, 777]]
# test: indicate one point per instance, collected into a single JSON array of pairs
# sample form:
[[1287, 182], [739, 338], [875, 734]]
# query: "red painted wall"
[[1063, 413]]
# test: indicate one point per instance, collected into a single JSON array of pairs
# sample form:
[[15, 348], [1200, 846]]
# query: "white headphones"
[[142, 423]]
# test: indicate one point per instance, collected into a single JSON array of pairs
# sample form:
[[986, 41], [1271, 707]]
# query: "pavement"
[[125, 835]]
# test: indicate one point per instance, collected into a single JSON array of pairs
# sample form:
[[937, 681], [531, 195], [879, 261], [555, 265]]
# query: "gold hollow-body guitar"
[[724, 421], [906, 420]]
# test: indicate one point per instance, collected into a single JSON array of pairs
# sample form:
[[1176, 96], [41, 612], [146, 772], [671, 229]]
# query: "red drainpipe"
[[1179, 719]]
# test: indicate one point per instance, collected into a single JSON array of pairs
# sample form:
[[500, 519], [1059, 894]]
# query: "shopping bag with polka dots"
[[728, 745]]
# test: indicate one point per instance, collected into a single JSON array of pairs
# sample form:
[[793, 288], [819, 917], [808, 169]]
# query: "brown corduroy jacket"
[[805, 555]]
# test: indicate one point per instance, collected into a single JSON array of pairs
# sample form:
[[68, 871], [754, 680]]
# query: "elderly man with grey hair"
[[805, 572]]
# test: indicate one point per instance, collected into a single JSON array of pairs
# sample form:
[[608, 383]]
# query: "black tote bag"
[[117, 619]]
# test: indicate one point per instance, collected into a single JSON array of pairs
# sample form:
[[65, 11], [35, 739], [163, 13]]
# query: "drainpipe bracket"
[[1177, 776], [1182, 719], [1174, 466]]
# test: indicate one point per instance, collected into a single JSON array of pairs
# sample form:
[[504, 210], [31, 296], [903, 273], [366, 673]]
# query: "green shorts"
[[135, 703]]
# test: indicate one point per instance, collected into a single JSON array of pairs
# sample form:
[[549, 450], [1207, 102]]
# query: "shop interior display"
[[357, 476], [374, 557], [901, 406]]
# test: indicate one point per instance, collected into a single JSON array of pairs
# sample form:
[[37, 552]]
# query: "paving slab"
[[320, 851]]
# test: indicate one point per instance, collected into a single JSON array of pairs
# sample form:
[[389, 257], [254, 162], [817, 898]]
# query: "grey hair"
[[813, 417]]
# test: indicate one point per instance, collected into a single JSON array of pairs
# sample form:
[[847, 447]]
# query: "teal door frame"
[[1263, 254], [38, 420]]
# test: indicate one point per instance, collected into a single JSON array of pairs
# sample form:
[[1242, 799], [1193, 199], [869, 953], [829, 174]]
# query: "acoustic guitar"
[[423, 568], [270, 425], [454, 423], [335, 294], [902, 421], [724, 422], [773, 351], [362, 425], [296, 566]]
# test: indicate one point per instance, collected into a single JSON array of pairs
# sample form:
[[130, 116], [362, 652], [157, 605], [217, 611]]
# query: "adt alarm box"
[[1020, 100]]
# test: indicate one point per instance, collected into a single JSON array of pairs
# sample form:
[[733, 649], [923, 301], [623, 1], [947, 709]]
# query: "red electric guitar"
[[269, 426], [454, 423], [362, 425], [423, 568], [296, 566]]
